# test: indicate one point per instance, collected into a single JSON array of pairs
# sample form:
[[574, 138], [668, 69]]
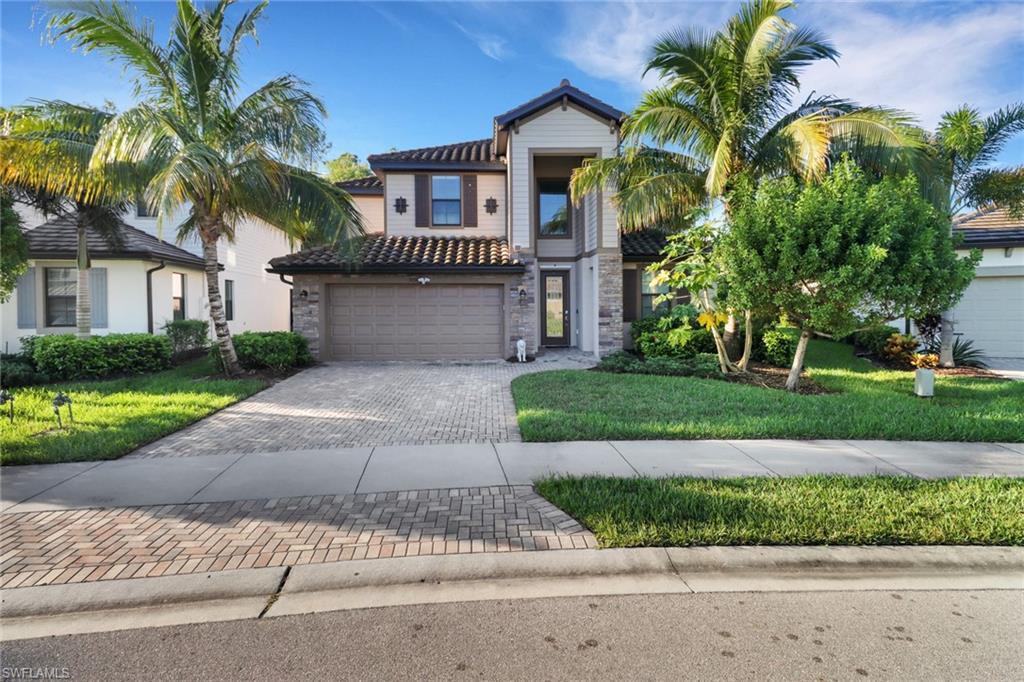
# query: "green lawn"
[[868, 403], [115, 416], [812, 510]]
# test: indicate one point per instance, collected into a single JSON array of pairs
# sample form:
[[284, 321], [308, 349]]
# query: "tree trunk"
[[83, 304], [748, 340], [946, 341], [220, 323], [793, 381], [730, 336]]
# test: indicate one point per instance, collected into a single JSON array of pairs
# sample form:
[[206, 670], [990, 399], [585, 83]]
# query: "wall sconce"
[[491, 205], [401, 205], [423, 280], [522, 296], [303, 294]]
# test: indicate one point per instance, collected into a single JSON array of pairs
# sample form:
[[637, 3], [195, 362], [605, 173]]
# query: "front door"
[[555, 289]]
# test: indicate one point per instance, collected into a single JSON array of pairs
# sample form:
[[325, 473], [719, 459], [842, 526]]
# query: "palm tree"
[[226, 156], [965, 144], [725, 107], [45, 151]]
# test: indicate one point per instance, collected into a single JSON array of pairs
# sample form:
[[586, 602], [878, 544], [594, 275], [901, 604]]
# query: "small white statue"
[[521, 350]]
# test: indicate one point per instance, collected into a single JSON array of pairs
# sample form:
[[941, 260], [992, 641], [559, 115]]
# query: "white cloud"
[[493, 46], [924, 62]]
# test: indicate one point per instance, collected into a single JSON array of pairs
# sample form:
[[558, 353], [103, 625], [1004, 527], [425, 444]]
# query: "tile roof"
[[642, 246], [58, 238], [391, 253], [472, 155], [369, 185], [566, 89], [990, 227]]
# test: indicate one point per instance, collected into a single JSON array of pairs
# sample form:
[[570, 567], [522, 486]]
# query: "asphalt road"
[[764, 636]]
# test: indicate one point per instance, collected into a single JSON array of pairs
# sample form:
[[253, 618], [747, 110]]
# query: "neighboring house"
[[475, 245], [991, 312], [140, 282]]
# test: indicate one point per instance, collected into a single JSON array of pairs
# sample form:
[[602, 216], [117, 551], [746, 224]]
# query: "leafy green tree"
[[13, 248], [725, 106], [840, 254], [966, 145], [346, 166], [45, 151], [205, 145]]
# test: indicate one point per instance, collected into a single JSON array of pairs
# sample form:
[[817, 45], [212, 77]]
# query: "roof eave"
[[494, 166], [72, 255], [396, 269]]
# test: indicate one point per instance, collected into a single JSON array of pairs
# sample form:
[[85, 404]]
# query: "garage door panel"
[[404, 322], [991, 313]]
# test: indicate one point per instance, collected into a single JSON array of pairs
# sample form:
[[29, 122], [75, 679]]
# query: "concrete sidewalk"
[[229, 477]]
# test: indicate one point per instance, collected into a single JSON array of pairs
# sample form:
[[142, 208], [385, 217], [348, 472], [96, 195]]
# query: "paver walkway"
[[347, 404], [52, 548]]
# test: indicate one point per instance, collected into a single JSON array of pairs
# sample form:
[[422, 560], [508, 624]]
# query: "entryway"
[[555, 320]]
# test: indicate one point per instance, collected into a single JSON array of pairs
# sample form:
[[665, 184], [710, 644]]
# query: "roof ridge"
[[435, 146]]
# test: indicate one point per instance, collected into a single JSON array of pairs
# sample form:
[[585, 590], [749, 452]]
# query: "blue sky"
[[408, 75]]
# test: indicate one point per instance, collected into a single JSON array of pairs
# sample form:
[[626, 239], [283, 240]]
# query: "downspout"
[[291, 308], [149, 295]]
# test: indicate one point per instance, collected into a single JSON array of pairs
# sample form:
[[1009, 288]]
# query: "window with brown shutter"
[[469, 207], [422, 200]]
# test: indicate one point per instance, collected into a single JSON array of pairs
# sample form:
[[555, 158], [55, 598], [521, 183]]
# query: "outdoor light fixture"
[[423, 280], [59, 401], [303, 294], [491, 205], [522, 295], [401, 205]]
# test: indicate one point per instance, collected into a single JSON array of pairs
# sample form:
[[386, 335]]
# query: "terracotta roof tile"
[[475, 154], [992, 227], [645, 245], [390, 253], [368, 185]]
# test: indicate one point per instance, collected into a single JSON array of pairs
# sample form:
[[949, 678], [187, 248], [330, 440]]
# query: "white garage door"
[[414, 322], [991, 314]]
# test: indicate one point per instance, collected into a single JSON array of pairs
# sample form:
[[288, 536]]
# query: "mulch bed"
[[767, 376]]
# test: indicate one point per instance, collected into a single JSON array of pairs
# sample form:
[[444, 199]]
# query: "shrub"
[[924, 360], [67, 357], [964, 352], [16, 370], [899, 348], [273, 350], [674, 334], [873, 339], [779, 346], [187, 335], [622, 362], [700, 365]]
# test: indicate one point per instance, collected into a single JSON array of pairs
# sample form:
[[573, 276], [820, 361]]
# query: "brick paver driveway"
[[349, 404]]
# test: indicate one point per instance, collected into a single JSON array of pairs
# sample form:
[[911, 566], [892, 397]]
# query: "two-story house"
[[476, 245]]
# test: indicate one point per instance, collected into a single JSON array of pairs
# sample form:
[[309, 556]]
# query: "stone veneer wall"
[[306, 311], [609, 302], [523, 315]]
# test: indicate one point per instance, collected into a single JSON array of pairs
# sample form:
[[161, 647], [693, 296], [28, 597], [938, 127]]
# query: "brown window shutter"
[[630, 295], [422, 200], [469, 207]]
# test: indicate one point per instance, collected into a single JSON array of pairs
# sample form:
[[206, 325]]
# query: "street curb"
[[109, 595]]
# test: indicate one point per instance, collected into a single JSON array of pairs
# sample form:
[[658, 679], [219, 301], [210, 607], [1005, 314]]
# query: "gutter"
[[412, 270], [149, 295]]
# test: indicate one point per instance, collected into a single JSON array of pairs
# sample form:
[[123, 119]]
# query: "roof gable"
[[564, 92]]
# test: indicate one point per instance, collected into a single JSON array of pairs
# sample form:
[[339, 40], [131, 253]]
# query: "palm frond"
[[282, 115], [665, 119]]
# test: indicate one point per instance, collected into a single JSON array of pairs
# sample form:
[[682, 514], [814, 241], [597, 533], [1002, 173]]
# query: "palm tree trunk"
[[220, 323], [83, 304], [946, 341], [793, 380]]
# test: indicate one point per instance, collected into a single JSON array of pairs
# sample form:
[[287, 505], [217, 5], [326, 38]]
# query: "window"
[[142, 209], [229, 299], [178, 295], [553, 208], [648, 293], [446, 199], [61, 295]]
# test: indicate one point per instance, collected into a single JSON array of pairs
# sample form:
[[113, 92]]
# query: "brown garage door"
[[414, 322]]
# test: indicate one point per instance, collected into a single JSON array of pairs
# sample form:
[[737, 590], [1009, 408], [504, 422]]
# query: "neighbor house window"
[[61, 294], [553, 208], [178, 295], [142, 209], [446, 199], [648, 293], [229, 299]]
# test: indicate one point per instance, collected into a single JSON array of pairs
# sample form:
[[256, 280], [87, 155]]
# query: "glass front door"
[[556, 308]]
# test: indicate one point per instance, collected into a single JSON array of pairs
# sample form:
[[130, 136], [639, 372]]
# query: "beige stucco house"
[[475, 245]]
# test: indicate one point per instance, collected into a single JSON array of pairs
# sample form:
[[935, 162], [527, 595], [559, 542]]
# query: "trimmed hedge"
[[674, 334], [268, 350], [700, 365], [67, 357], [187, 335], [873, 339]]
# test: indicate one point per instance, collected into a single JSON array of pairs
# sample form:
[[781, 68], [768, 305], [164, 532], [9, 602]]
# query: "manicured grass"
[[868, 403], [113, 417], [812, 510]]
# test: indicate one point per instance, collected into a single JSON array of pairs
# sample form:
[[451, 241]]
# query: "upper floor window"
[[446, 200], [143, 210], [553, 208], [61, 296], [178, 295]]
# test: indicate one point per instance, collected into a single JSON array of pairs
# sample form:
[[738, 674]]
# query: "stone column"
[[523, 317], [306, 310], [609, 302]]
